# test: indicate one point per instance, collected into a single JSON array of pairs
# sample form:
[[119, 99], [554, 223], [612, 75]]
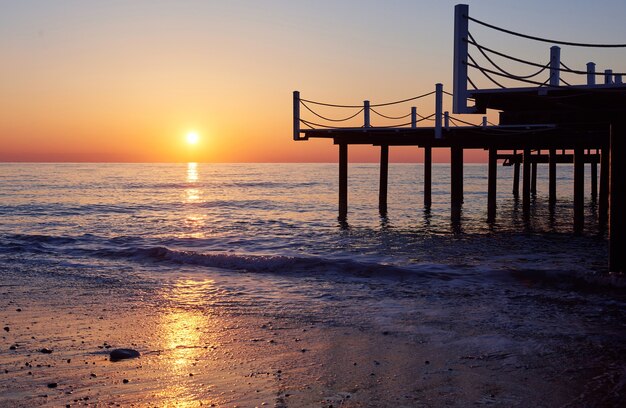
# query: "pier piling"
[[384, 178], [594, 179], [579, 188], [552, 177], [343, 181], [492, 182], [617, 197], [456, 177], [526, 183], [428, 175], [603, 204]]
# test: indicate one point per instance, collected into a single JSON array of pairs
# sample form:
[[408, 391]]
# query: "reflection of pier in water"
[[550, 122]]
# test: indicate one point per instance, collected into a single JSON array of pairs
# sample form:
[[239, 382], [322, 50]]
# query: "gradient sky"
[[126, 80]]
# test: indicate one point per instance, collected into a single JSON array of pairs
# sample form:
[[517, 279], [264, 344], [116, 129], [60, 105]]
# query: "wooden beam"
[[456, 177], [526, 184], [343, 180], [516, 179], [617, 197], [579, 189], [594, 181], [603, 204], [533, 179], [384, 178], [492, 183], [552, 178], [428, 175]]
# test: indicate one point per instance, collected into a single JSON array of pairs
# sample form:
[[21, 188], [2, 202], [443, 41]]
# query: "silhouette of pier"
[[548, 120]]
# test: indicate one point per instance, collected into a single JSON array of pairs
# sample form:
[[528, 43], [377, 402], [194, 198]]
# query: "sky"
[[125, 81]]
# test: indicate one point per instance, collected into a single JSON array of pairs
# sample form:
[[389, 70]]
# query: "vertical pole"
[[484, 121], [594, 177], [366, 114], [516, 166], [552, 178], [618, 79], [591, 74], [446, 120], [343, 180], [492, 181], [296, 115], [428, 173], [384, 177], [579, 188], [617, 200], [555, 65], [456, 177], [533, 179], [603, 205], [413, 117], [608, 76], [526, 183], [438, 109], [459, 84]]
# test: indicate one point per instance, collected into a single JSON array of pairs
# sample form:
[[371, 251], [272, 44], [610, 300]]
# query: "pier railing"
[[548, 75], [438, 119]]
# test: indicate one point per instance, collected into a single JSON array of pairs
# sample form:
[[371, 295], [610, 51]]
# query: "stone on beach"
[[123, 354]]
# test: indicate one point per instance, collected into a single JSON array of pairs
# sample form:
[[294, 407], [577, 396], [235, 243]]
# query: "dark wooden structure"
[[549, 123]]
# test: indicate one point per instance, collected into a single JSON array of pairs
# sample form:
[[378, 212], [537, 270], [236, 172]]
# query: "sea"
[[265, 239]]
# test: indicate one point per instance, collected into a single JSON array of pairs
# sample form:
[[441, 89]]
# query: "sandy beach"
[[193, 356]]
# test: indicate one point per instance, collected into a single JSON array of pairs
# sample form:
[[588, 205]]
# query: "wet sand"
[[194, 356]]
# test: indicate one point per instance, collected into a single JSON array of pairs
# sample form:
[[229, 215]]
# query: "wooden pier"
[[551, 122]]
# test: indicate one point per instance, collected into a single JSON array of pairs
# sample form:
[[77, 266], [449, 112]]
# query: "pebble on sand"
[[52, 385], [123, 354], [45, 351]]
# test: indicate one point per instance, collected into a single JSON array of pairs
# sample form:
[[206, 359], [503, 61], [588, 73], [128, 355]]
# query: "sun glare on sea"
[[193, 138]]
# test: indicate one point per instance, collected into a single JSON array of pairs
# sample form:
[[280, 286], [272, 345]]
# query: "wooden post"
[[533, 179], [343, 180], [552, 178], [384, 177], [591, 74], [459, 82], [296, 115], [413, 117], [594, 179], [555, 65], [366, 114], [617, 199], [579, 189], [438, 110], [608, 76], [526, 183], [492, 182], [603, 205], [428, 173], [456, 177], [515, 175]]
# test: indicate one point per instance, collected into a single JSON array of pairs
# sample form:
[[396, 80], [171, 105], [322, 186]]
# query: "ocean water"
[[264, 240]]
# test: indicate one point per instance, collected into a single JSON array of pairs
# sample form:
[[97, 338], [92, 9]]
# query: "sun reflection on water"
[[187, 338], [194, 221]]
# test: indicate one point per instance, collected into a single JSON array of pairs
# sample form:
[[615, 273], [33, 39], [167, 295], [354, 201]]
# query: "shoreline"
[[198, 356]]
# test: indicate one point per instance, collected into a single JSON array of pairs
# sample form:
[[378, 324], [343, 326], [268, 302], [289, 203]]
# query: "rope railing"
[[330, 119], [390, 117], [333, 105], [531, 37]]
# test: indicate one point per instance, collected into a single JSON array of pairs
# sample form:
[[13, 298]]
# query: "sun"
[[193, 138]]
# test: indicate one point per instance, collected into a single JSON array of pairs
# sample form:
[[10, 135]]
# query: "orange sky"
[[125, 81]]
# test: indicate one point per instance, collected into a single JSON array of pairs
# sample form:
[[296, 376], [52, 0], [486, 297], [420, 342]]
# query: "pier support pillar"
[[594, 180], [579, 189], [533, 180], [456, 177], [516, 167], [526, 184], [552, 178], [428, 175], [384, 178], [343, 181], [603, 204], [617, 197], [492, 182]]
